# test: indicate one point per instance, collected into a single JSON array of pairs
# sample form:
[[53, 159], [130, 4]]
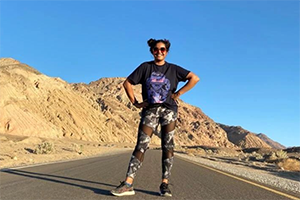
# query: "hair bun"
[[151, 42]]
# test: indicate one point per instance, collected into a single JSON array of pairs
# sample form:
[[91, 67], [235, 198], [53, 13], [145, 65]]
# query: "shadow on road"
[[53, 178]]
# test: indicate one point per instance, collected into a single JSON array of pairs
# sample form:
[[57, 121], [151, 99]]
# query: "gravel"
[[261, 176]]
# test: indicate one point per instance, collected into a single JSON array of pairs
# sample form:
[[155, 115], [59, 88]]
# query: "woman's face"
[[159, 51]]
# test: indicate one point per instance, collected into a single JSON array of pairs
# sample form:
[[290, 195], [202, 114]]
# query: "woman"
[[159, 81]]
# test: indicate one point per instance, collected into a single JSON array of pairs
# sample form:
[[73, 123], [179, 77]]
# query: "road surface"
[[93, 178]]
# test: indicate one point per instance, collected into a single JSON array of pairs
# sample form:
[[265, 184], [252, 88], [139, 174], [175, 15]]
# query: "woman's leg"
[[143, 140], [168, 122], [167, 143], [148, 124]]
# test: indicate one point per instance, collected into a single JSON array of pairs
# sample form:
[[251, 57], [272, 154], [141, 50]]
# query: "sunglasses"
[[162, 49]]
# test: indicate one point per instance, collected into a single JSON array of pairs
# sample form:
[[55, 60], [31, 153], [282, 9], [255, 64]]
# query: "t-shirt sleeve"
[[136, 76], [181, 73]]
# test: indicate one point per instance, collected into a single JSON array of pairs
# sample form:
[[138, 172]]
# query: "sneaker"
[[123, 190], [164, 190]]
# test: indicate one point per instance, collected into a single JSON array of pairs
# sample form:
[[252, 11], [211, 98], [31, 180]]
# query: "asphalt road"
[[94, 178]]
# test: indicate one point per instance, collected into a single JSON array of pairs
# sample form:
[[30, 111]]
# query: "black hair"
[[152, 43]]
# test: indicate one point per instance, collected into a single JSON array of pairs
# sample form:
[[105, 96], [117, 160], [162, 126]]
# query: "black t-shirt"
[[158, 82]]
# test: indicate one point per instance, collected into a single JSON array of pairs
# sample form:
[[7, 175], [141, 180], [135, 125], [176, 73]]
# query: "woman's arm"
[[129, 90], [130, 94], [192, 80]]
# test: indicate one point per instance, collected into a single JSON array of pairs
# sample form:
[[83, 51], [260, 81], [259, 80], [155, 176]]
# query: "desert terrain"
[[45, 119]]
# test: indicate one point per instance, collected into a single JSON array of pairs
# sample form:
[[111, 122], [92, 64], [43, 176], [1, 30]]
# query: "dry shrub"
[[200, 151], [281, 154], [271, 157], [289, 164], [44, 148], [77, 148], [259, 157], [276, 156], [191, 152]]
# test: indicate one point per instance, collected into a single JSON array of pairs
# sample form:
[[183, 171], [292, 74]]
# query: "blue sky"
[[245, 53]]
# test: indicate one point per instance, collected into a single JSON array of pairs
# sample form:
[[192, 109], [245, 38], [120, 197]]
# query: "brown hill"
[[33, 104], [243, 138], [193, 127], [270, 142]]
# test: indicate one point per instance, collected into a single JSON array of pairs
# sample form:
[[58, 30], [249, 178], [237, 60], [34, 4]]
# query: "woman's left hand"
[[175, 96]]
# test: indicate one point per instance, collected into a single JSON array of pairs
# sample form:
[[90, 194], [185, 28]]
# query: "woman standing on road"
[[159, 81]]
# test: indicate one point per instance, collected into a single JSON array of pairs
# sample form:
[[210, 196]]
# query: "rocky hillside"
[[270, 142], [33, 104], [243, 138], [193, 127]]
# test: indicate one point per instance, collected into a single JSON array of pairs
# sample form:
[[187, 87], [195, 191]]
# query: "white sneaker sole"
[[165, 195], [124, 193]]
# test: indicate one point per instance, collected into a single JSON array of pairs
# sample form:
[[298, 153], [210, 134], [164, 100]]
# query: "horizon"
[[245, 53]]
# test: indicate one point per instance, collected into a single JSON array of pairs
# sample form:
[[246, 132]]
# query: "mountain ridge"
[[35, 104]]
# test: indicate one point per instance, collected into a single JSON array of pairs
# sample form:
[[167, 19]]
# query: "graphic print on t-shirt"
[[158, 87]]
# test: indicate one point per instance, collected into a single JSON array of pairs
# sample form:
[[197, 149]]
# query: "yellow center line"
[[241, 179]]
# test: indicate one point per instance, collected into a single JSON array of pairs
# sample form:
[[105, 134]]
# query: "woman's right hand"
[[142, 104]]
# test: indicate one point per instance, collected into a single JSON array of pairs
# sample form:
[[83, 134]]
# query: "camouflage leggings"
[[150, 120]]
